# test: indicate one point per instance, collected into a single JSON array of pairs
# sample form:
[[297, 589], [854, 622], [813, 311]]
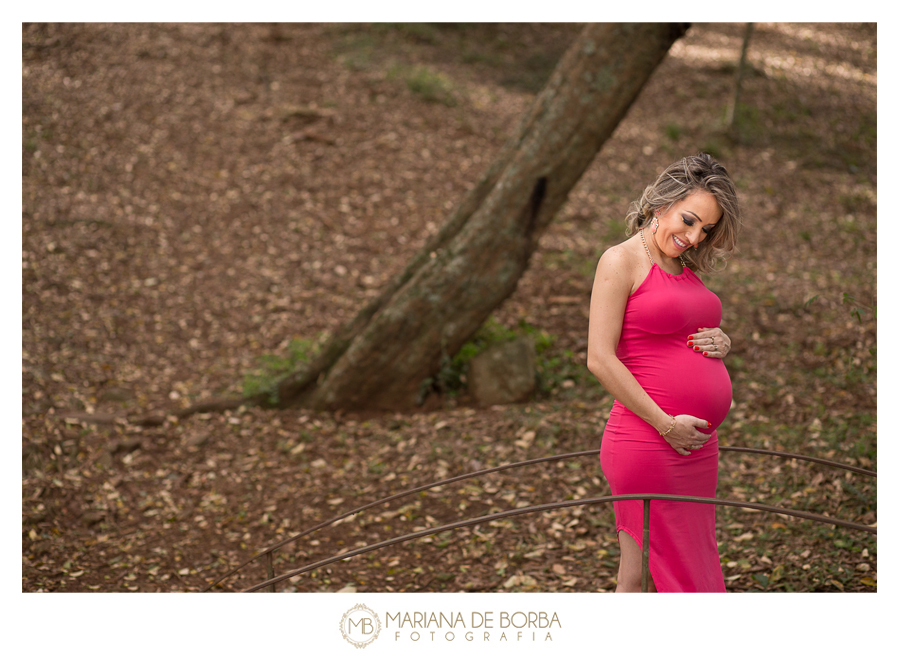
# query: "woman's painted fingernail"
[[706, 354], [696, 349], [708, 424], [690, 342], [690, 338]]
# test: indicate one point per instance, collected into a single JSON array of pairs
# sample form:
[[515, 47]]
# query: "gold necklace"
[[641, 231]]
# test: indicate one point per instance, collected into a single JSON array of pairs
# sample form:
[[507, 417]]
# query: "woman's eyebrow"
[[697, 216]]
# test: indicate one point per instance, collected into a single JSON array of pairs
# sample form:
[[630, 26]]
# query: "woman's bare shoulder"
[[620, 257], [623, 266]]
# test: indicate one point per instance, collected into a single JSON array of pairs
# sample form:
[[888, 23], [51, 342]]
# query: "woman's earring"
[[655, 225]]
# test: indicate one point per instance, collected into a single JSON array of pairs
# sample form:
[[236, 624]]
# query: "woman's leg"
[[629, 579]]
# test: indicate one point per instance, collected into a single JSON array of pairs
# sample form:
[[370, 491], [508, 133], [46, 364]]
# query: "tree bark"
[[380, 359], [739, 78]]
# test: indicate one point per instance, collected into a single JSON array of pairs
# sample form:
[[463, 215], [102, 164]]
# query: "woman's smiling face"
[[686, 223]]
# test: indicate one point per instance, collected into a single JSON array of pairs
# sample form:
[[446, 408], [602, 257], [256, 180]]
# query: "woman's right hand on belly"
[[684, 436]]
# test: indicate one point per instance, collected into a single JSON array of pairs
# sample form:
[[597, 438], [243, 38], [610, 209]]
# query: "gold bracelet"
[[670, 427]]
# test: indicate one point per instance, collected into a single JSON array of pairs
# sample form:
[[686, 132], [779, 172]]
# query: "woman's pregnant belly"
[[682, 381]]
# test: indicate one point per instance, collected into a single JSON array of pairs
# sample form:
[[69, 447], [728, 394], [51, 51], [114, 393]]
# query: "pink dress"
[[659, 316]]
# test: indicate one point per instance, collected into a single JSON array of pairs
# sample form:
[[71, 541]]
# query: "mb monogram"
[[360, 626]]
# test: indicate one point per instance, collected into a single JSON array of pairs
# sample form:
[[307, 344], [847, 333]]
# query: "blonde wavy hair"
[[679, 180]]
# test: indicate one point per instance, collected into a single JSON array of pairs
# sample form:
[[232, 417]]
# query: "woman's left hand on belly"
[[684, 435], [713, 343]]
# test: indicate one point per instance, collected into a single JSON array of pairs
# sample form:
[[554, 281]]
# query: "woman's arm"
[[612, 287]]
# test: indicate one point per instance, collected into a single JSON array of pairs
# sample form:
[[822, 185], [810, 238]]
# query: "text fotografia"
[[482, 626]]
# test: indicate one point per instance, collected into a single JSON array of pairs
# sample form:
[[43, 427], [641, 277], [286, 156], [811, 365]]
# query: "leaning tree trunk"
[[730, 119], [380, 359]]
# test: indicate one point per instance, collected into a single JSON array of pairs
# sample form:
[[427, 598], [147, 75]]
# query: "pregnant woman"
[[655, 344]]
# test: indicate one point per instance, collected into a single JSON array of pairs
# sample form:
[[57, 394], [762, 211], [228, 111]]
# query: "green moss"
[[272, 368], [429, 85]]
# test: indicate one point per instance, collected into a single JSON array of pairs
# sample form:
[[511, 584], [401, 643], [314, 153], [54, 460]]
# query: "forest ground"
[[202, 203]]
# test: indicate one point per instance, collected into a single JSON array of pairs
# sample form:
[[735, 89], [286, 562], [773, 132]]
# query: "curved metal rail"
[[559, 505], [268, 552], [402, 494], [791, 455]]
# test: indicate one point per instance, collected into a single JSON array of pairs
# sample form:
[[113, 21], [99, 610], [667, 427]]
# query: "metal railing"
[[267, 554]]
